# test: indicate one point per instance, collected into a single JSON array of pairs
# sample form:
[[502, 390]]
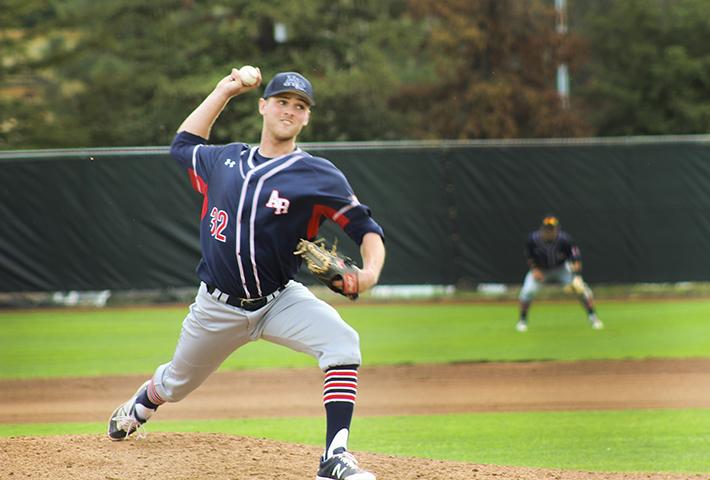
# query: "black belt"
[[250, 304]]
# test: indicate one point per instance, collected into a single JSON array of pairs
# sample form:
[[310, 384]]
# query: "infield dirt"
[[399, 390]]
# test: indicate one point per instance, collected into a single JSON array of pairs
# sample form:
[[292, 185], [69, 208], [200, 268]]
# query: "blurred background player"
[[554, 258]]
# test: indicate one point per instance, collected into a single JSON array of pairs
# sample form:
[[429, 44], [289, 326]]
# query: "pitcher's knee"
[[343, 349], [351, 348], [526, 297]]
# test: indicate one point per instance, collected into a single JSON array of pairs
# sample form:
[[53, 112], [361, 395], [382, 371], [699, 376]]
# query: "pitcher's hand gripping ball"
[[328, 267], [248, 75]]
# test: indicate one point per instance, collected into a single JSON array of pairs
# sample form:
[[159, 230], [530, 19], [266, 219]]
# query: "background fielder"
[[259, 201], [554, 258]]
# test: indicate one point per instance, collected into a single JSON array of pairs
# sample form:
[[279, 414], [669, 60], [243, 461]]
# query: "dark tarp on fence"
[[453, 212]]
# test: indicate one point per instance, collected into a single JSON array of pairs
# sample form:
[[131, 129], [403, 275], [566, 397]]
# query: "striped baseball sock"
[[588, 303], [148, 402], [339, 394], [524, 306]]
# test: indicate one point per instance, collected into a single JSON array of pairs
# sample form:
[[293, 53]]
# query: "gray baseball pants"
[[212, 330], [562, 275]]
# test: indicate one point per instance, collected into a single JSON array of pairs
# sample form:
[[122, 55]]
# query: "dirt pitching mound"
[[402, 390], [193, 456], [386, 390]]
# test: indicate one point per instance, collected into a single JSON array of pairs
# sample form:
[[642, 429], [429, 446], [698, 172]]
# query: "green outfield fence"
[[454, 212]]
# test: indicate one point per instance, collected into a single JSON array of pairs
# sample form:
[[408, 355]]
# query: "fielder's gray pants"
[[562, 275], [212, 330]]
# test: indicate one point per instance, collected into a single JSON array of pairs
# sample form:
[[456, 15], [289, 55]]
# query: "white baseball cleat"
[[123, 420], [521, 326], [595, 322], [342, 466]]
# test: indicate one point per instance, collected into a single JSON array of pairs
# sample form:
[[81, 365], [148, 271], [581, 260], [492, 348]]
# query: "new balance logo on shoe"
[[338, 471], [342, 466]]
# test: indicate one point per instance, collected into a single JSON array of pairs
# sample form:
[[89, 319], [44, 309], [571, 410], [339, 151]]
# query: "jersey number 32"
[[218, 224]]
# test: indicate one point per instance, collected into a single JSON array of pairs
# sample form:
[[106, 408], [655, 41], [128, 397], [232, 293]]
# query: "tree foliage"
[[650, 66], [84, 73], [127, 72], [493, 68]]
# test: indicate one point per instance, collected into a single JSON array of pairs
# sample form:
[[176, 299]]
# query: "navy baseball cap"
[[292, 82]]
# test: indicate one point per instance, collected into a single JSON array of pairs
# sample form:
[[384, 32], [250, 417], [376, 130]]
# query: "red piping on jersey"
[[323, 211], [205, 206], [200, 186]]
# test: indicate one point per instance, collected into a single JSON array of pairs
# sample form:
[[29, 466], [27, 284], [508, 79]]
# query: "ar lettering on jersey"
[[280, 205]]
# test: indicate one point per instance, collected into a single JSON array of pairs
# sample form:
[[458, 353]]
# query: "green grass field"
[[122, 341], [116, 341]]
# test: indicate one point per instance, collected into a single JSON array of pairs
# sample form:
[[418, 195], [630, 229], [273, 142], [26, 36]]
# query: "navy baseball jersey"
[[547, 255], [256, 209]]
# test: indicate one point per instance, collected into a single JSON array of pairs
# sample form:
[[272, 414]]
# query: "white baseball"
[[249, 75]]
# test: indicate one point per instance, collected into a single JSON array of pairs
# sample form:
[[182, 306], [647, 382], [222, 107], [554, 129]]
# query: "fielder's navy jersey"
[[552, 254], [256, 209]]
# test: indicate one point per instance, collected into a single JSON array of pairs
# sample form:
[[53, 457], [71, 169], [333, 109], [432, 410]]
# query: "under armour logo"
[[280, 205], [230, 163]]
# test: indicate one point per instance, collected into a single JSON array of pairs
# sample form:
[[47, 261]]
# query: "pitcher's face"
[[285, 115]]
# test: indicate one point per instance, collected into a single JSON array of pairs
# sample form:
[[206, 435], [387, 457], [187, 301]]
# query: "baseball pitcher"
[[554, 258], [260, 204]]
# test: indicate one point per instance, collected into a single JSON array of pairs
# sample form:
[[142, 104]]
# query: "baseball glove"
[[577, 286], [328, 267]]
